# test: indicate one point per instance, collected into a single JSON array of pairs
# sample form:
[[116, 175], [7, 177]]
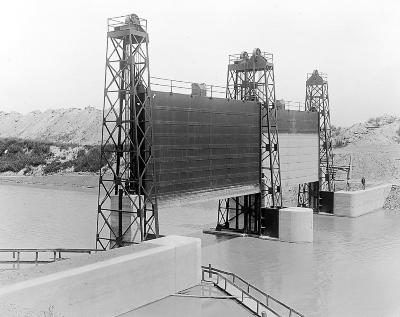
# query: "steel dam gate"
[[205, 147], [162, 146]]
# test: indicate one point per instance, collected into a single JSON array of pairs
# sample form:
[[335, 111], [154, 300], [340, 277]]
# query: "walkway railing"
[[185, 87], [211, 91], [37, 256], [259, 302], [294, 105]]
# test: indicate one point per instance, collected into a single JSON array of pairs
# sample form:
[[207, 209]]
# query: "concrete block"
[[187, 259], [108, 283], [360, 202], [296, 224]]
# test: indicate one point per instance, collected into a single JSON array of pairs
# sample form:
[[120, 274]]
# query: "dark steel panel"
[[204, 144], [270, 222], [326, 202], [292, 121]]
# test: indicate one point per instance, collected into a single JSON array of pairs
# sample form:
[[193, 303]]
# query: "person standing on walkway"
[[363, 182]]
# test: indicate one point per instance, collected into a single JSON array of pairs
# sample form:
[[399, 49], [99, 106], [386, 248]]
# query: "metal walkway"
[[259, 302]]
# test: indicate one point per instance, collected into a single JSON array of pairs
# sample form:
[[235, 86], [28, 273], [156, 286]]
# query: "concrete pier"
[[296, 224], [107, 283]]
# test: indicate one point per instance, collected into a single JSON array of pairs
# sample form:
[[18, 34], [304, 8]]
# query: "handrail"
[[50, 250], [266, 305], [56, 254], [250, 285], [185, 87], [294, 105]]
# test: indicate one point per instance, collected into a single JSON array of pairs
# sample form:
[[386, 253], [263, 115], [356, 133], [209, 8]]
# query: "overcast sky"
[[52, 53]]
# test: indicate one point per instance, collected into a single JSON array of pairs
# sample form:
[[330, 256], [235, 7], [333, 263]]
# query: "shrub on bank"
[[88, 161], [16, 155], [56, 166]]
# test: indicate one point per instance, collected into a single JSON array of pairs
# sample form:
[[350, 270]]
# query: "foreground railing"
[[250, 296], [37, 256]]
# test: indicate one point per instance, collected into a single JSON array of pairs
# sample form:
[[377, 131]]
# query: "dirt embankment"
[[375, 132], [73, 125]]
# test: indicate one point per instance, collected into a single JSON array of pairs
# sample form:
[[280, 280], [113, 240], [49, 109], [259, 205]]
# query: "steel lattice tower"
[[127, 201], [317, 99], [252, 78]]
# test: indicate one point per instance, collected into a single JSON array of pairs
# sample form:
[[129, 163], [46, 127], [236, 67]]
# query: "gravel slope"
[[73, 125]]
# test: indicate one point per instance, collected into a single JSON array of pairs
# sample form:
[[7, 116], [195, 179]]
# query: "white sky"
[[52, 53]]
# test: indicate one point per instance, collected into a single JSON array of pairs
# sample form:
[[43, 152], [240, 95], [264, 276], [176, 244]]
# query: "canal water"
[[351, 269]]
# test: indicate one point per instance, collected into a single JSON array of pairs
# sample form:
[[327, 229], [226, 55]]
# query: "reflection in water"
[[351, 269]]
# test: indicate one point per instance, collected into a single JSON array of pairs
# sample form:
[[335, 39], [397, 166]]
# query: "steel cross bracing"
[[252, 78], [317, 99], [238, 213], [308, 195], [127, 200], [303, 195]]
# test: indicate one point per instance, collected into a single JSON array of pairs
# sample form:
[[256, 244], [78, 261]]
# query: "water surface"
[[351, 269]]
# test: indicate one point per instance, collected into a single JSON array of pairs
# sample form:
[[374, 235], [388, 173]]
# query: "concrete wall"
[[296, 224], [107, 283], [299, 158], [357, 203]]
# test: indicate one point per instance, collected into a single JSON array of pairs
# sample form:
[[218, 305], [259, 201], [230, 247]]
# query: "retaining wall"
[[104, 284], [360, 202]]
